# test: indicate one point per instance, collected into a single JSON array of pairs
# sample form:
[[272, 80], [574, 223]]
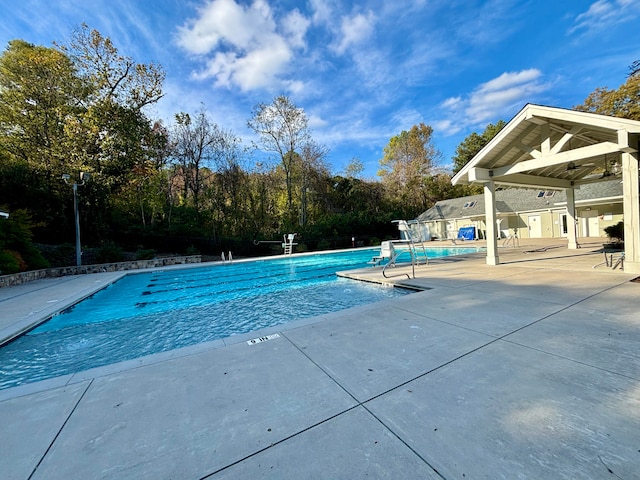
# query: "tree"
[[39, 92], [41, 95], [195, 142], [283, 129], [115, 78], [355, 168], [114, 139], [312, 168], [208, 159], [261, 203], [229, 185], [623, 102], [409, 159], [147, 184], [475, 142], [469, 148]]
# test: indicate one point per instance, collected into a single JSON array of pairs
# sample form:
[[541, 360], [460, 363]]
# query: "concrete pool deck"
[[529, 369]]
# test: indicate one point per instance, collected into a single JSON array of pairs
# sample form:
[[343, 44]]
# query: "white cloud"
[[354, 30], [259, 67], [295, 27], [446, 126], [322, 11], [452, 103], [225, 20], [490, 101], [316, 122], [508, 79], [604, 14], [245, 45]]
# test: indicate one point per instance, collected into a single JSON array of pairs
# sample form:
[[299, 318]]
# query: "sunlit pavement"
[[529, 369]]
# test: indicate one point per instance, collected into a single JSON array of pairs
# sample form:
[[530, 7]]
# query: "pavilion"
[[558, 149]]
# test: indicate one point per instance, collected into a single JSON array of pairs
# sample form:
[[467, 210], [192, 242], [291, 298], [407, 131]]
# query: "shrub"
[[191, 250], [145, 254], [16, 242], [324, 244], [34, 259], [59, 255], [10, 262], [109, 252], [615, 232]]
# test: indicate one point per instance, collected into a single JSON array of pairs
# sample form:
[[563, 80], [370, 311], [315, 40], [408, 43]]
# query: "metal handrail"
[[392, 262]]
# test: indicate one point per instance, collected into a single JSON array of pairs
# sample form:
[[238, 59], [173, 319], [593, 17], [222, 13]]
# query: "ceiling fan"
[[573, 166]]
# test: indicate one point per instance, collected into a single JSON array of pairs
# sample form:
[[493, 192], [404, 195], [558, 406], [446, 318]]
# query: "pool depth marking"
[[254, 341]]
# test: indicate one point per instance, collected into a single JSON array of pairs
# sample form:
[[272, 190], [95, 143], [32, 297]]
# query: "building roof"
[[514, 200], [553, 148]]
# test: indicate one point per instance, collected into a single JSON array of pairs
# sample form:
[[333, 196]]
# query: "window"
[[545, 193]]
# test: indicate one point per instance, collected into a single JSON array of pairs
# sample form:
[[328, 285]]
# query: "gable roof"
[[553, 148], [512, 200]]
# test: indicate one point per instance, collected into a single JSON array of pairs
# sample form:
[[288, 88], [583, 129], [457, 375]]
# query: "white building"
[[530, 213]]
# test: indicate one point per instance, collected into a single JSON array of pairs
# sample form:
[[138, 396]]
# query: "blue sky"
[[363, 71]]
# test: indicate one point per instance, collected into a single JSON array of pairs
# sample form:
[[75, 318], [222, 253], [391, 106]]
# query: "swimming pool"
[[146, 313]]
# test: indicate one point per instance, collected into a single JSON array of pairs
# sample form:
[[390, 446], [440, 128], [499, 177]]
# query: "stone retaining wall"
[[24, 277]]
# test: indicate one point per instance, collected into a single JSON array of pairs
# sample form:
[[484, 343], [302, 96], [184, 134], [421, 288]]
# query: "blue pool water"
[[153, 312]]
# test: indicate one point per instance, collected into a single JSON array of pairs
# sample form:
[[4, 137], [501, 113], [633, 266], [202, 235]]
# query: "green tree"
[[144, 196], [469, 148], [475, 142], [114, 77], [228, 188], [39, 92], [41, 95], [263, 218], [113, 139], [71, 109]]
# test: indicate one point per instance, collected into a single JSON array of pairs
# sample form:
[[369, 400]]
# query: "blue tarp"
[[467, 233]]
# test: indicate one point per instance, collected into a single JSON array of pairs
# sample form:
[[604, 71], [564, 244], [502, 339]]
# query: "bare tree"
[[200, 147], [283, 129]]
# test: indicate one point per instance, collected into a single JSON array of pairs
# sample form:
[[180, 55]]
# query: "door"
[[535, 226], [562, 221], [590, 223]]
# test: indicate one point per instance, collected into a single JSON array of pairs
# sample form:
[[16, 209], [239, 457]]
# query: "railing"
[[411, 239]]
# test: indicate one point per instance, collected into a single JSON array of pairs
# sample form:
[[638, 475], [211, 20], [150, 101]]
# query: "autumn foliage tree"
[[623, 102], [409, 161]]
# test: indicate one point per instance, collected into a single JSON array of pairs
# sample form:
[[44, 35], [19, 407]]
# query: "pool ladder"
[[406, 232]]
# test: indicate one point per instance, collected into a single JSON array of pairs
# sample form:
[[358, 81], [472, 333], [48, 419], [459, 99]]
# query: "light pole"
[[84, 176]]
